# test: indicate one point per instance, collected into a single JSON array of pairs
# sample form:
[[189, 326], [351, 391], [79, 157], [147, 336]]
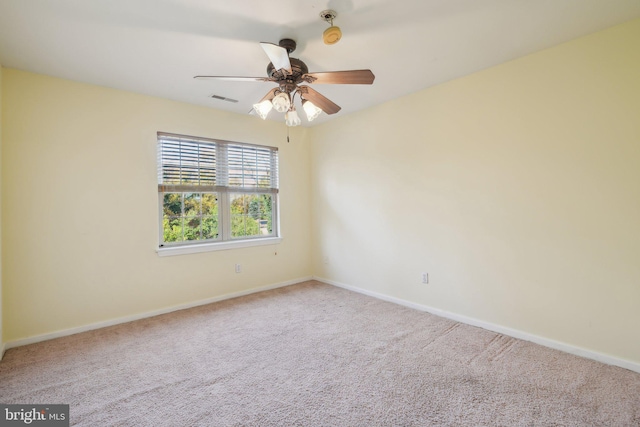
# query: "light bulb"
[[281, 102], [263, 108], [311, 110], [291, 118]]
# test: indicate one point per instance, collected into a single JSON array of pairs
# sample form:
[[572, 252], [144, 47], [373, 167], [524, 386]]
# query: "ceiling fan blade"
[[235, 79], [322, 102], [278, 56], [352, 77]]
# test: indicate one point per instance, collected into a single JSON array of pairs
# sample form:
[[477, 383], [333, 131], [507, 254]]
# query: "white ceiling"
[[155, 47]]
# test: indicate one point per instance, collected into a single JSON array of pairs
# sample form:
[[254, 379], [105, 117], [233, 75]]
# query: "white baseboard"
[[557, 345], [125, 319]]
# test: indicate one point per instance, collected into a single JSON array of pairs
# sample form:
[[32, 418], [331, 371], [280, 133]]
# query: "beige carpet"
[[314, 355]]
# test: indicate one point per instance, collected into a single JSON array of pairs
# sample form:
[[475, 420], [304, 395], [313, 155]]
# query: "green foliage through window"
[[251, 215], [190, 216]]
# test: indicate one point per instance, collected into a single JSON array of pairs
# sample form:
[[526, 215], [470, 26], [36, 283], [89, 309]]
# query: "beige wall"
[[517, 189], [80, 206]]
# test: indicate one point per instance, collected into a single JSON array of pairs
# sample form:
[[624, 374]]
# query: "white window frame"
[[224, 169]]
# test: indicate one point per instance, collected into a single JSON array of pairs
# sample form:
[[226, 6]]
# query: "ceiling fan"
[[289, 73]]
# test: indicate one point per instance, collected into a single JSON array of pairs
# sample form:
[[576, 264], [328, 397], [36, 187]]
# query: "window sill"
[[221, 246]]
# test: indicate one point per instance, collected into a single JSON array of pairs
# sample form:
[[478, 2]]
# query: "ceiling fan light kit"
[[289, 74], [310, 109], [281, 102], [263, 108], [291, 118]]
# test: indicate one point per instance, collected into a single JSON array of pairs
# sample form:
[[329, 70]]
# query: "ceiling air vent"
[[223, 98]]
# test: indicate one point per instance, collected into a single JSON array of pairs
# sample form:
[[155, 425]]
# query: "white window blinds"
[[200, 164]]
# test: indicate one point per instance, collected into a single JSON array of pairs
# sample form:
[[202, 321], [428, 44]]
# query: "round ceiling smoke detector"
[[333, 34]]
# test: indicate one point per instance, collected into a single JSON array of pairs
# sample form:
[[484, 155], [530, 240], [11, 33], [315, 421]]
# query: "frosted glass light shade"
[[292, 119], [281, 102], [263, 108], [311, 110]]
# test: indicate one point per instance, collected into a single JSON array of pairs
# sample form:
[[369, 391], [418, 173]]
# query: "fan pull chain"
[[287, 133]]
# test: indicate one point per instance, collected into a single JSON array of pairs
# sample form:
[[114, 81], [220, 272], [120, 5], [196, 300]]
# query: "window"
[[215, 194]]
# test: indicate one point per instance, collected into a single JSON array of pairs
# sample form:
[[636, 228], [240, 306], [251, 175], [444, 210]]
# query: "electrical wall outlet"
[[325, 260], [425, 278], [238, 268]]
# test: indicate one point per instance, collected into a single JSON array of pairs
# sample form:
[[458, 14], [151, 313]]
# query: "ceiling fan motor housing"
[[288, 44], [298, 68]]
